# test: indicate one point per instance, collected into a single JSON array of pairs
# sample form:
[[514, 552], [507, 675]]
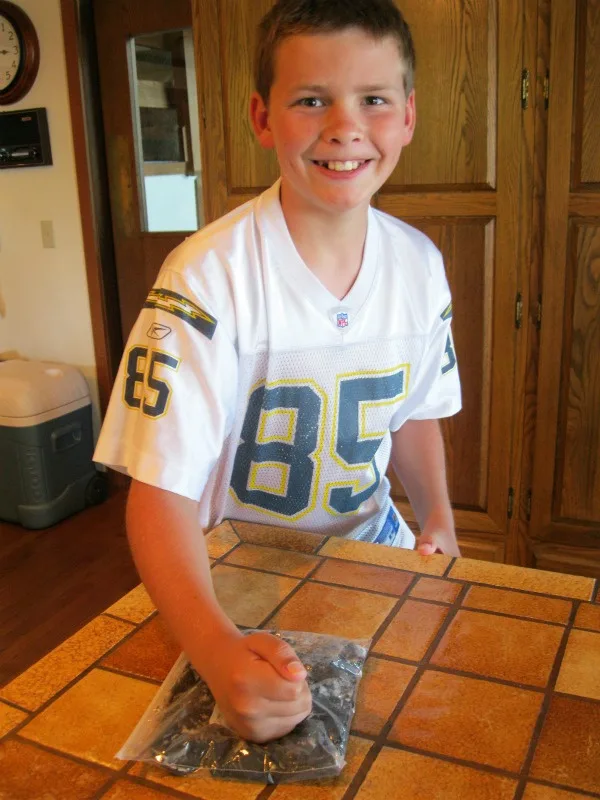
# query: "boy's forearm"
[[170, 554], [419, 461]]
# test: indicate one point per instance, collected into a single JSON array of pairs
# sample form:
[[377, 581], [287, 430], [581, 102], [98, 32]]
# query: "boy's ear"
[[259, 117], [410, 118]]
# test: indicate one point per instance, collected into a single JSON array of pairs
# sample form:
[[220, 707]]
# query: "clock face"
[[10, 53]]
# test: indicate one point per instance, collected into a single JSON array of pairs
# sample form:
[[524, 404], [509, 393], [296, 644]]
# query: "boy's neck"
[[331, 245]]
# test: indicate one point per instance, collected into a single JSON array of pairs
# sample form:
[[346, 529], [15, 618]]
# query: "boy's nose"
[[342, 128]]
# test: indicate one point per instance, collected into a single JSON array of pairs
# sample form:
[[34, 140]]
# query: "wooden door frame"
[[101, 280], [95, 214]]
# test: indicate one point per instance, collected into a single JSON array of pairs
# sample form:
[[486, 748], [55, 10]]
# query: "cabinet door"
[[565, 512], [458, 182]]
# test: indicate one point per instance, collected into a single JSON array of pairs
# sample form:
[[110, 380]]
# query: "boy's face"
[[338, 118]]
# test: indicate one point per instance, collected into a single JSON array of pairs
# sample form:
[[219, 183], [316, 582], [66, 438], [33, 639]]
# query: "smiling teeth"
[[340, 166]]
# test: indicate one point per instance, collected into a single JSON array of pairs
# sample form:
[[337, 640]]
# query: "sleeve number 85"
[[144, 389]]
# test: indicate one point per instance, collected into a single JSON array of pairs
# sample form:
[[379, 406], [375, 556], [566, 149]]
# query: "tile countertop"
[[483, 680]]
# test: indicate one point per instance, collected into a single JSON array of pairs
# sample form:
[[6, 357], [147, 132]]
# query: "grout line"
[[591, 701], [471, 581], [506, 615], [548, 694], [362, 771], [572, 789], [159, 788], [143, 678], [122, 772], [410, 587], [400, 601], [267, 571], [118, 619], [381, 739], [315, 547], [96, 663], [465, 674], [15, 705], [448, 569], [463, 762], [302, 582], [424, 662], [64, 754]]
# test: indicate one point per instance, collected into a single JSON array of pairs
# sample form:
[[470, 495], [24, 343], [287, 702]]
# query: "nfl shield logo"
[[342, 319]]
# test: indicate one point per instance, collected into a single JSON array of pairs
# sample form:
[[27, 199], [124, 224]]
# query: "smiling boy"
[[308, 346]]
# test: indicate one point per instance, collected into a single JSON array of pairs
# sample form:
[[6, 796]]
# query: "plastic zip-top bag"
[[182, 731]]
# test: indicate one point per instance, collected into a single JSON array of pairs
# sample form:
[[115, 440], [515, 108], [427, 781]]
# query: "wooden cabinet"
[[512, 223], [564, 526]]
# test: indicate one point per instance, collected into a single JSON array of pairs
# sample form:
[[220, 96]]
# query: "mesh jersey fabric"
[[245, 384]]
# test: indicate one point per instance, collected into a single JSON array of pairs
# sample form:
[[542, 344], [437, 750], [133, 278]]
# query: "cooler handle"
[[66, 437]]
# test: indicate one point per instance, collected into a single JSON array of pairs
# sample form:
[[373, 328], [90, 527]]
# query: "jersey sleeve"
[[172, 404], [436, 392]]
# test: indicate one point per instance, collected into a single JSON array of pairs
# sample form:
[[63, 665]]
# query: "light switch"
[[47, 233]]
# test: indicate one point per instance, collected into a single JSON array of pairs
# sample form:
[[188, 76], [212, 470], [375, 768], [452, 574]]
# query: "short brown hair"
[[292, 17]]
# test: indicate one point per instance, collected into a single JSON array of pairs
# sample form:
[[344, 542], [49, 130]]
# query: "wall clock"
[[19, 53]]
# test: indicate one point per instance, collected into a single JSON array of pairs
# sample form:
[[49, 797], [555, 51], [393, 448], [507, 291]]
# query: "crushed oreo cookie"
[[188, 736]]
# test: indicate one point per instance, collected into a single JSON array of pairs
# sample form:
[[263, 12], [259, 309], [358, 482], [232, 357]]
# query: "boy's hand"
[[437, 540], [259, 685]]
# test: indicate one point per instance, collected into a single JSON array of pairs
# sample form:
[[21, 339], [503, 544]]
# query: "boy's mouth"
[[341, 166]]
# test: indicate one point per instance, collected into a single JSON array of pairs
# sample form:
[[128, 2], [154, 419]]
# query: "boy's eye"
[[310, 102], [372, 100]]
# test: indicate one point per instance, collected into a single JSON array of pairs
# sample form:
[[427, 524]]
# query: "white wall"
[[44, 303]]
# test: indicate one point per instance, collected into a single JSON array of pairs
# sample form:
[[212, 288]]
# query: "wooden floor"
[[54, 581]]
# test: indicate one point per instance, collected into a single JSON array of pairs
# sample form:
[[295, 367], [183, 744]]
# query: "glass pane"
[[165, 117]]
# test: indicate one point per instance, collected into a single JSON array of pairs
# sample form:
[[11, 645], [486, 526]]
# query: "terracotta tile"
[[273, 536], [149, 653], [383, 556], [248, 597], [199, 784], [588, 616], [30, 773], [334, 610], [221, 540], [520, 604], [499, 647], [412, 630], [469, 719], [381, 687], [580, 669], [53, 672], [528, 580], [568, 751], [364, 576], [436, 589], [94, 717], [272, 559], [9, 718], [535, 791], [136, 606], [333, 788], [128, 790], [409, 776]]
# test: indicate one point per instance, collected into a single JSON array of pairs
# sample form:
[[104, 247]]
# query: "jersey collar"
[[282, 253]]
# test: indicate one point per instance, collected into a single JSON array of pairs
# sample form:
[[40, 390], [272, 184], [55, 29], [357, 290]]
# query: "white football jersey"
[[247, 385]]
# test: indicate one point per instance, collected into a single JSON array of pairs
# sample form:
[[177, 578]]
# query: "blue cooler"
[[46, 444]]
